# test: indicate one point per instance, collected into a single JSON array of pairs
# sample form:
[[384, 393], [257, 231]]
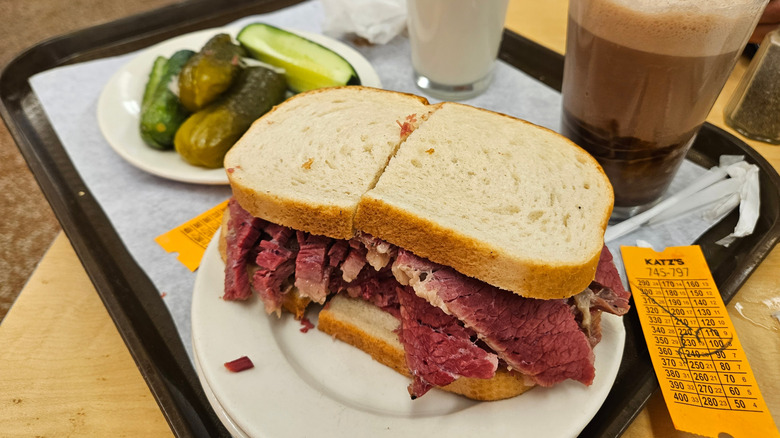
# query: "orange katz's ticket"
[[191, 238], [704, 375]]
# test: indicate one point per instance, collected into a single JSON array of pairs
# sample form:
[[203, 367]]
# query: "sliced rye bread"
[[306, 163], [497, 198]]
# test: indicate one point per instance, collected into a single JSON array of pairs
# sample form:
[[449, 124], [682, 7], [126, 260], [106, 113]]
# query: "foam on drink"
[[676, 27]]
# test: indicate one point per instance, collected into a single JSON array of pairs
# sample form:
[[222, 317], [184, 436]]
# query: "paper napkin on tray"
[[378, 21]]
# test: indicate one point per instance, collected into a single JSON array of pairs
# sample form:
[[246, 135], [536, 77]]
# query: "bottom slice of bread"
[[373, 330]]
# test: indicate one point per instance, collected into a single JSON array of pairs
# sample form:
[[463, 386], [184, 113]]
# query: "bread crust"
[[334, 221], [505, 384], [423, 237], [331, 221], [481, 260], [472, 258]]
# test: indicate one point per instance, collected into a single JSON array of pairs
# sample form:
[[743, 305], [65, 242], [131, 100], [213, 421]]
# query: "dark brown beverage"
[[640, 171], [635, 97]]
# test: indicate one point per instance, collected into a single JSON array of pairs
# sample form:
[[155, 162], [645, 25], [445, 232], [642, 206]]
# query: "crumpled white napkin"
[[378, 21], [748, 197], [733, 183]]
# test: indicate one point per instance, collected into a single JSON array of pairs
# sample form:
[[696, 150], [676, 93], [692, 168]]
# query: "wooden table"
[[65, 371]]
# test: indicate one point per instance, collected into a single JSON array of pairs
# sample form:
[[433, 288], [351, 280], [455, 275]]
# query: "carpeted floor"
[[27, 224]]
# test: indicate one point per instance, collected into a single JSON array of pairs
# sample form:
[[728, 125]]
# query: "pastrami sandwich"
[[461, 247]]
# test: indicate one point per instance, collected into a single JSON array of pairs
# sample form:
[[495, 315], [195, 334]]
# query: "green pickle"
[[155, 77], [307, 65], [210, 72], [205, 137], [161, 112]]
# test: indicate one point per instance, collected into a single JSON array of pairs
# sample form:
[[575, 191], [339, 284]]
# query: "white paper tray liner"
[[141, 206]]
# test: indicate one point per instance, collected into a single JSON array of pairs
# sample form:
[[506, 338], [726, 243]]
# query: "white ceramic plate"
[[119, 106], [307, 384]]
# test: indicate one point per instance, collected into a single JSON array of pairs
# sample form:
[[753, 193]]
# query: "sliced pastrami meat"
[[539, 338], [243, 232], [379, 253], [376, 287], [312, 272], [338, 252], [611, 296], [275, 262], [354, 262], [437, 347]]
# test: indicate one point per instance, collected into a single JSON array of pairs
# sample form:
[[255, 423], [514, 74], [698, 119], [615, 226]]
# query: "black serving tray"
[[730, 267], [134, 303]]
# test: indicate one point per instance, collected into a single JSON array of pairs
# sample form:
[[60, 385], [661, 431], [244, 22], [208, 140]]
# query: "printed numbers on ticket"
[[704, 375], [191, 238]]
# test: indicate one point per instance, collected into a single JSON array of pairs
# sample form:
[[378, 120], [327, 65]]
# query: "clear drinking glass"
[[754, 108], [455, 44], [640, 78]]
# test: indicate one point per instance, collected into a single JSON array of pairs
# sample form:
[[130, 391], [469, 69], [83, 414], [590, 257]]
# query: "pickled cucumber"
[[206, 136], [307, 64], [155, 76], [161, 112], [210, 72]]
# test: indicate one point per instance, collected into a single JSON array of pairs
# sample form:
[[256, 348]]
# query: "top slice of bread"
[[306, 163], [513, 204], [496, 198]]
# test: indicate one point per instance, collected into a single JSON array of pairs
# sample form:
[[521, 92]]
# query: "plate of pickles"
[[176, 108]]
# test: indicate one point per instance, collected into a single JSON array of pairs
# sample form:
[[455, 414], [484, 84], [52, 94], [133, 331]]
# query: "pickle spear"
[[161, 112], [307, 64], [206, 136], [210, 72]]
